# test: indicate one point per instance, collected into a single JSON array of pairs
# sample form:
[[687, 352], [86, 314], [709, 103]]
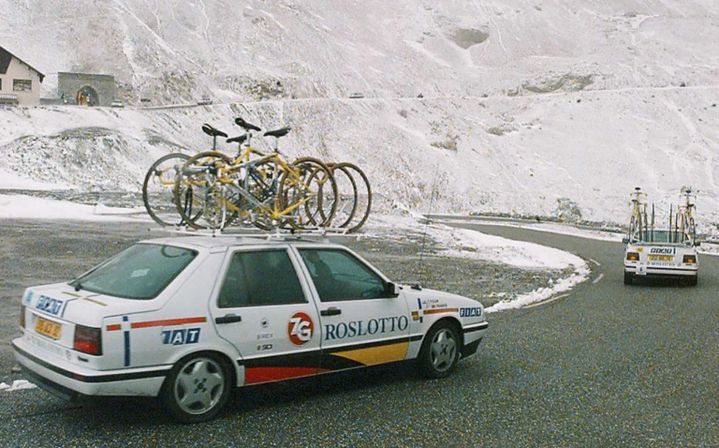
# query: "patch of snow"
[[17, 385], [473, 244], [17, 206], [11, 181], [564, 284]]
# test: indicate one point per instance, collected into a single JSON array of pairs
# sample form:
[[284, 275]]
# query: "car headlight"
[[632, 256]]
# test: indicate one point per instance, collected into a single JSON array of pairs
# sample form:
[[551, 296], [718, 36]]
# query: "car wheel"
[[628, 278], [440, 351], [197, 388], [692, 281]]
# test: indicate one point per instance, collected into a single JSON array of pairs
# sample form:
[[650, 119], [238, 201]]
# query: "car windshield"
[[140, 272], [658, 236], [662, 236]]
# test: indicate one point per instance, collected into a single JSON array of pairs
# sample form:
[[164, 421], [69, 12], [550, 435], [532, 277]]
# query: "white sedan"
[[189, 318], [661, 254]]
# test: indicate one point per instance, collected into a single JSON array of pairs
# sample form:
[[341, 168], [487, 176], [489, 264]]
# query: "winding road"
[[605, 365]]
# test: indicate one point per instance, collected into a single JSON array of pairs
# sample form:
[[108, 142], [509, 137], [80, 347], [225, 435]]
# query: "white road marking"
[[596, 280], [546, 301], [595, 262]]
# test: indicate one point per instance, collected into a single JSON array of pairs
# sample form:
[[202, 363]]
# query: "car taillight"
[[88, 340], [632, 256], [22, 316], [690, 259]]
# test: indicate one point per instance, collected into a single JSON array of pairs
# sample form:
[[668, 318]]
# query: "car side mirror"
[[625, 240], [391, 289]]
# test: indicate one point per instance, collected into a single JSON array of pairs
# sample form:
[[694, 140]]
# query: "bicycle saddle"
[[239, 139], [211, 131], [281, 132], [245, 125]]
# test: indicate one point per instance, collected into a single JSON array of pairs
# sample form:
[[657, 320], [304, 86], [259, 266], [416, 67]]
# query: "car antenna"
[[420, 266]]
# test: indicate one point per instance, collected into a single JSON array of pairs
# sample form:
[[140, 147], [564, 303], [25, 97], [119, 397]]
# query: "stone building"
[[19, 81], [86, 89]]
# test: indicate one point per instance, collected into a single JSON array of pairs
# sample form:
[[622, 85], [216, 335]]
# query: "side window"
[[260, 278], [338, 275]]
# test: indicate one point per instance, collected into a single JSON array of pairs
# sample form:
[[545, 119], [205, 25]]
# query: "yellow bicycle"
[[263, 189]]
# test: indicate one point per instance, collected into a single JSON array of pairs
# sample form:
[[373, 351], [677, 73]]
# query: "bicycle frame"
[[243, 163]]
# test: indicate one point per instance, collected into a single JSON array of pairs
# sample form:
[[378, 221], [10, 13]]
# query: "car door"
[[262, 307], [363, 321]]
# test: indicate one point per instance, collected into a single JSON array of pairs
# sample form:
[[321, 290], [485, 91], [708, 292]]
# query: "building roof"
[[6, 57]]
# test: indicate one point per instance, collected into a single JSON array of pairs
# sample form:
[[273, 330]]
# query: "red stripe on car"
[[254, 375], [160, 323]]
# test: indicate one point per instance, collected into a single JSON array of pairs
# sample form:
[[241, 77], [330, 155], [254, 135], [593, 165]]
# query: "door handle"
[[331, 311], [228, 319]]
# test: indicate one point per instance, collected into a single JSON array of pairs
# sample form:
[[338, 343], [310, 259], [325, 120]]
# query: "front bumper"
[[473, 335], [69, 381]]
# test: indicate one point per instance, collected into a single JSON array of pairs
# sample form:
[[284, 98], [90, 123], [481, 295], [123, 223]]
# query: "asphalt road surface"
[[607, 365]]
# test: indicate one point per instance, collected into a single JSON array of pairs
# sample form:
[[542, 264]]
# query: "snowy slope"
[[582, 97], [166, 48]]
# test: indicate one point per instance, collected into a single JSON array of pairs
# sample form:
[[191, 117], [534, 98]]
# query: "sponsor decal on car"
[[181, 337], [49, 305], [470, 312], [299, 328], [356, 328], [663, 250]]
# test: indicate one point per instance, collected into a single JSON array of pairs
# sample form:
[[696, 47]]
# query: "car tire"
[[628, 278], [692, 281], [440, 351], [197, 388]]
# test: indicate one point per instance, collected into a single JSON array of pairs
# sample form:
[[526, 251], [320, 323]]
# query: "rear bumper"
[[663, 271], [69, 381]]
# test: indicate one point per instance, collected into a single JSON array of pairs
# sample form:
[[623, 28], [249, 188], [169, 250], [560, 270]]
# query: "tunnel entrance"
[[87, 96]]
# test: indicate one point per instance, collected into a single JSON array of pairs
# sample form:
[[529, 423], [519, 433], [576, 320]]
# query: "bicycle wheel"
[[363, 200], [261, 181], [346, 195], [632, 226], [157, 190], [198, 184], [309, 185]]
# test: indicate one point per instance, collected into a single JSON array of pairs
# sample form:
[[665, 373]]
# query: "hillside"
[[529, 107]]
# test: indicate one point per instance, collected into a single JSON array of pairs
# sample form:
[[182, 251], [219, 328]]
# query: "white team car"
[[658, 256], [189, 318]]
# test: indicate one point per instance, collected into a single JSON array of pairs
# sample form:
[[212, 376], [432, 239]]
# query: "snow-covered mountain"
[[530, 107]]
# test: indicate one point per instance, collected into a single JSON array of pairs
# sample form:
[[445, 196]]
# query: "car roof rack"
[[276, 234]]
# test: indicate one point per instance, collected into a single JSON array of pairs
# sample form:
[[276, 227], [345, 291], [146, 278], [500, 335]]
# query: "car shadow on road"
[[106, 413], [659, 282]]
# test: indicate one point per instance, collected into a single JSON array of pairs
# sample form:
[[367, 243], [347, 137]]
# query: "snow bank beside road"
[[472, 244], [467, 243]]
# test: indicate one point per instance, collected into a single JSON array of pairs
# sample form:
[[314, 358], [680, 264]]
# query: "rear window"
[[140, 272]]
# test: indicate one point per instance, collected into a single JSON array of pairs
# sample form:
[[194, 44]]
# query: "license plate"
[[661, 258], [642, 269], [48, 328]]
